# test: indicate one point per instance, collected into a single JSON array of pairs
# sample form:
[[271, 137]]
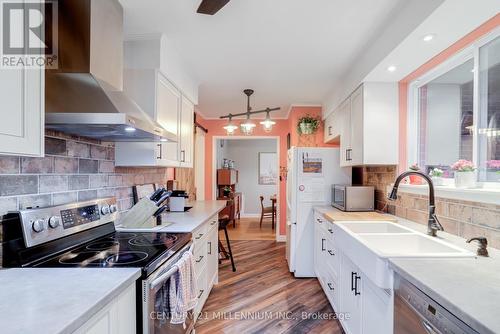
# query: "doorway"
[[256, 161]]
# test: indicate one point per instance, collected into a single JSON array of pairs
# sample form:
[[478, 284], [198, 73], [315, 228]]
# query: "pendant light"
[[230, 127], [268, 122], [247, 127]]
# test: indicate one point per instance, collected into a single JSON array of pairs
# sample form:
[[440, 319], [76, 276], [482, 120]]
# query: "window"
[[456, 113]]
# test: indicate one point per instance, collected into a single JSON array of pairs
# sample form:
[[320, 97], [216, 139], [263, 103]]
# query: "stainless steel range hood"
[[84, 96]]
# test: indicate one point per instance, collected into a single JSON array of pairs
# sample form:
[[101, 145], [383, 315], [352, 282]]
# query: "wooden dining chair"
[[266, 212], [224, 220]]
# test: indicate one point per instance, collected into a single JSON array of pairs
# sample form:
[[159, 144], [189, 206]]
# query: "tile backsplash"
[[73, 169], [463, 218]]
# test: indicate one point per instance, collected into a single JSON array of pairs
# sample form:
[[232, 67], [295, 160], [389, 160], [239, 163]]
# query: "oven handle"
[[162, 278]]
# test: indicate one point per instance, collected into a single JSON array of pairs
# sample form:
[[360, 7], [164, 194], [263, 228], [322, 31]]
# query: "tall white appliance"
[[311, 173]]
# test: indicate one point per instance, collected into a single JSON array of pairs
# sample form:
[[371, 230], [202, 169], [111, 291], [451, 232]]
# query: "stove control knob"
[[105, 209], [38, 225], [113, 208], [54, 221]]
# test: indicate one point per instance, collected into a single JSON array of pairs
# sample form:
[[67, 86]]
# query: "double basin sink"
[[370, 244]]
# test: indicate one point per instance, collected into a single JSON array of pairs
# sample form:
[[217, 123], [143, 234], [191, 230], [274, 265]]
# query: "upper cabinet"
[[22, 111], [163, 101], [367, 126]]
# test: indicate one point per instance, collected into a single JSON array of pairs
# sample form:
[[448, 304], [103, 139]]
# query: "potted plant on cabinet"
[[415, 179], [436, 175], [226, 191], [308, 125], [465, 176]]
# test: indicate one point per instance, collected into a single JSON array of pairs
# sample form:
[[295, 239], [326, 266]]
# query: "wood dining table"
[[273, 199]]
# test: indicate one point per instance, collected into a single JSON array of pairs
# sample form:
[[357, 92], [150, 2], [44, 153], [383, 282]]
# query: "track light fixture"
[[247, 127]]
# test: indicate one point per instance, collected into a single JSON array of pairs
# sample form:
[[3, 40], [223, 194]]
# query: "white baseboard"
[[250, 215], [281, 238]]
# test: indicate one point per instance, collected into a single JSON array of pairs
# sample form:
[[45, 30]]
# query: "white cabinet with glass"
[[369, 125]]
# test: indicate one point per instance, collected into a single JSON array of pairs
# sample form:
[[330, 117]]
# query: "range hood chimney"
[[84, 95]]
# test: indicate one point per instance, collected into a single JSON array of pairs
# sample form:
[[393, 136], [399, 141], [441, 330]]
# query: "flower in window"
[[463, 166]]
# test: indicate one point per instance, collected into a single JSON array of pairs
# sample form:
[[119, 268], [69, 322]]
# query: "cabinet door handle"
[[209, 248], [330, 130], [352, 280], [159, 156], [323, 244], [199, 236], [199, 260], [330, 286], [183, 156], [331, 252], [201, 292], [356, 292]]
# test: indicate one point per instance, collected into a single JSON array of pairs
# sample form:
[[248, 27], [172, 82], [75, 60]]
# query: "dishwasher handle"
[[428, 327]]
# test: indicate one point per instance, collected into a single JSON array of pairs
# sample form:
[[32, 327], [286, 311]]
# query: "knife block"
[[139, 213]]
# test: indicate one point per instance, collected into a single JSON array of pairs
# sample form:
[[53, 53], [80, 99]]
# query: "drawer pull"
[[331, 252], [213, 223], [319, 220], [330, 230], [209, 248], [201, 293], [330, 286], [199, 236], [199, 260]]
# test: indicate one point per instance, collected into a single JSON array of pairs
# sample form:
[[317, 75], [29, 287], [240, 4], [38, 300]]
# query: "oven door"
[[338, 197], [155, 317]]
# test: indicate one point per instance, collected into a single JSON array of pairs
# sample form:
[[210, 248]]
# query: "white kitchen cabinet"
[[332, 127], [369, 125], [351, 291], [377, 309], [206, 256], [171, 109], [186, 152], [118, 317], [22, 93]]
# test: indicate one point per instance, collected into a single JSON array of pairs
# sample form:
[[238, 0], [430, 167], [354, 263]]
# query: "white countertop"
[[189, 221], [467, 287], [57, 300]]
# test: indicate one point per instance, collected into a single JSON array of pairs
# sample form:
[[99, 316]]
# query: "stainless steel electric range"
[[83, 235]]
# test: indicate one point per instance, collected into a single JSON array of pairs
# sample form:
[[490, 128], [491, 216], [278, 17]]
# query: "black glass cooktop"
[[122, 249]]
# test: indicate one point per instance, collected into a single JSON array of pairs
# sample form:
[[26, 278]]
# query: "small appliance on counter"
[[177, 201], [353, 198]]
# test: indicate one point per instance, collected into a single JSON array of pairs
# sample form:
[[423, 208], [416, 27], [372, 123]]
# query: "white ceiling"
[[289, 51]]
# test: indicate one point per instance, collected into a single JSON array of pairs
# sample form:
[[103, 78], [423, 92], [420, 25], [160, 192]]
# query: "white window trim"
[[487, 192]]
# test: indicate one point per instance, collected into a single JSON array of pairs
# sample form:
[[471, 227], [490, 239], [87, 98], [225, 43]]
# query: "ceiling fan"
[[210, 7]]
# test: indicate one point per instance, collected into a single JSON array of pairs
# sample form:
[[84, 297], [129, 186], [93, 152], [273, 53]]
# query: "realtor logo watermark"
[[28, 34]]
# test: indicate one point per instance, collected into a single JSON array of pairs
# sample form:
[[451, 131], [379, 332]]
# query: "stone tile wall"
[[73, 169], [462, 218]]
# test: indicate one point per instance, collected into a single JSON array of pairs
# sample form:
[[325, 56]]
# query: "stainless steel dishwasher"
[[415, 313]]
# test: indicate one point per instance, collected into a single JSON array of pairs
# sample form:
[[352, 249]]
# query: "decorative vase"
[[306, 128], [437, 180], [465, 179], [416, 180]]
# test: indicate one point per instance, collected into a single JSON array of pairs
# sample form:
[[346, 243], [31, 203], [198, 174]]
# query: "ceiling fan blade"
[[210, 7]]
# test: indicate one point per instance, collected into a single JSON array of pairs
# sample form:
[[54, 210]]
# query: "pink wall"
[[433, 62], [281, 130]]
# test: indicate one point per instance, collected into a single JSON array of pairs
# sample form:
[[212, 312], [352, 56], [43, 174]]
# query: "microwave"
[[353, 198]]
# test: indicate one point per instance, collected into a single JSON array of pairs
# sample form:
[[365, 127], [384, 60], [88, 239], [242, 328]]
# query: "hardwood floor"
[[263, 288], [249, 229]]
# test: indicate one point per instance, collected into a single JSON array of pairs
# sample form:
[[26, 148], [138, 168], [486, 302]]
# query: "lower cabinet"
[[362, 307], [206, 242], [118, 317]]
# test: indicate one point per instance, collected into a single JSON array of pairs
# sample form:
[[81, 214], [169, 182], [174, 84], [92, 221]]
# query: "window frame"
[[413, 116]]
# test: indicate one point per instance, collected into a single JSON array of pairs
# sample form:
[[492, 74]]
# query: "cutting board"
[[337, 215]]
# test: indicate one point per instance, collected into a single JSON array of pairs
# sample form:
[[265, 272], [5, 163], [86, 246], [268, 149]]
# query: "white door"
[[168, 104], [22, 112], [356, 149], [187, 133], [290, 210], [199, 164]]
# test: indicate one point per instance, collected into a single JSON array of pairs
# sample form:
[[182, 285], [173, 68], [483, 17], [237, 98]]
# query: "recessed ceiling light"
[[129, 129], [429, 37], [391, 68]]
